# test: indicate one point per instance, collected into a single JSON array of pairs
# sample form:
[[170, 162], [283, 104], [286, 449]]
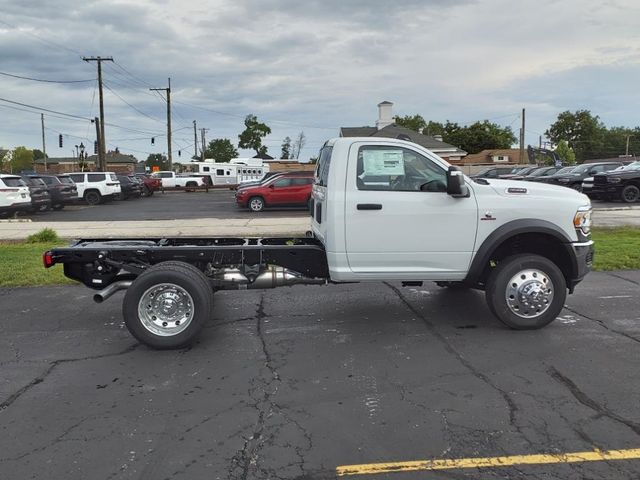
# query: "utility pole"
[[522, 139], [44, 148], [168, 90], [626, 151], [204, 143], [101, 159], [195, 140], [102, 145]]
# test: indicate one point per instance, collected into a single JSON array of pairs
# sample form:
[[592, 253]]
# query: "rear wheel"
[[167, 306], [577, 187], [630, 194], [256, 204], [59, 206], [526, 291], [93, 197], [191, 186]]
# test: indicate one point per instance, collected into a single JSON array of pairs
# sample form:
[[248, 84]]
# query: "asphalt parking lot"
[[306, 382], [218, 203]]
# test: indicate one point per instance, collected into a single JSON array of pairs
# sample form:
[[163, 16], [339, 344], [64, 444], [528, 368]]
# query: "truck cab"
[[384, 210]]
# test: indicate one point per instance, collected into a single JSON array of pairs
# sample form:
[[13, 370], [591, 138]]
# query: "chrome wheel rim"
[[256, 204], [529, 293], [166, 309]]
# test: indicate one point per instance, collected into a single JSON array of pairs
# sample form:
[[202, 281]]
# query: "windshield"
[[540, 172], [565, 170], [66, 180], [632, 166]]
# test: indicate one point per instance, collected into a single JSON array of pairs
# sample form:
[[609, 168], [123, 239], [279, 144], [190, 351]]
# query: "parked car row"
[[277, 189], [42, 192], [615, 180]]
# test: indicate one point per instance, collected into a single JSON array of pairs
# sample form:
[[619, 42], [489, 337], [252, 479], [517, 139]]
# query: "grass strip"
[[21, 263]]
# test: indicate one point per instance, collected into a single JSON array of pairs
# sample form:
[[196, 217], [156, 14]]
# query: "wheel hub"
[[165, 309], [529, 293]]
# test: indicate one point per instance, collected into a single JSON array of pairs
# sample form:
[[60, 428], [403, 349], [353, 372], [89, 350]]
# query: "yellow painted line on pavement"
[[488, 462]]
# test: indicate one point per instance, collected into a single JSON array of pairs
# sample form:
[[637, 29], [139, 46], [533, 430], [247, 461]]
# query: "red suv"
[[283, 190]]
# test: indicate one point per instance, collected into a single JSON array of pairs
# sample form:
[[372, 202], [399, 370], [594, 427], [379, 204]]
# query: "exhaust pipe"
[[105, 293], [234, 279]]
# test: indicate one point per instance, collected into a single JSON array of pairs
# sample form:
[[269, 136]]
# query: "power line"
[[58, 45], [44, 109], [46, 81], [127, 103]]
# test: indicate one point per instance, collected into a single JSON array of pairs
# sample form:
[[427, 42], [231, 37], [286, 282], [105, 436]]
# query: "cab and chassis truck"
[[382, 210]]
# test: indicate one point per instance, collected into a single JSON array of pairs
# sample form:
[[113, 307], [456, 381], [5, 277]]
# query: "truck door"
[[399, 220]]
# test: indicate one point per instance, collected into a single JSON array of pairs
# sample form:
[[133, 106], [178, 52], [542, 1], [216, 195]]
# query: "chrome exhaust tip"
[[105, 293]]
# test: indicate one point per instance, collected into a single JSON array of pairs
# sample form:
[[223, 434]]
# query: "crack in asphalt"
[[622, 278], [603, 325], [42, 377], [513, 408], [588, 402]]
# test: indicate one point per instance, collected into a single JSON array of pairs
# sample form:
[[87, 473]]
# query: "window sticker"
[[383, 162]]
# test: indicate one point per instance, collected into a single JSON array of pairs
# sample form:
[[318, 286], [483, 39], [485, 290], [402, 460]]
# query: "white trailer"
[[232, 173]]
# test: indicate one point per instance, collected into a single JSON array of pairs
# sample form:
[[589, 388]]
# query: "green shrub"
[[46, 235]]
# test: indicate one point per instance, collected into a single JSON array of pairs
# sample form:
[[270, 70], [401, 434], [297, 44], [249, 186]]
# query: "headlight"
[[614, 179], [582, 220]]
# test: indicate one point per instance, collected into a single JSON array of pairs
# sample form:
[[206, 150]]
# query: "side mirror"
[[455, 183]]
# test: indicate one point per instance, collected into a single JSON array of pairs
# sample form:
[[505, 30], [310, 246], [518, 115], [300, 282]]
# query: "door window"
[[397, 169], [301, 181], [282, 182], [78, 178]]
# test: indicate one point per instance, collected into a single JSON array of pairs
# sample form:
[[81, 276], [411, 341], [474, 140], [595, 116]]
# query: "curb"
[[16, 220]]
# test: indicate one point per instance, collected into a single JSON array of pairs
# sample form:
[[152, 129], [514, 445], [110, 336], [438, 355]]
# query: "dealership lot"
[[218, 203], [296, 383]]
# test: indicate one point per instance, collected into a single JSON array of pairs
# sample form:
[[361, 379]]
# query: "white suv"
[[96, 187], [14, 194]]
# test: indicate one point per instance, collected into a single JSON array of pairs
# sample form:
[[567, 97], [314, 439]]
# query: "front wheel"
[[526, 291], [59, 206], [256, 204], [630, 194], [167, 306]]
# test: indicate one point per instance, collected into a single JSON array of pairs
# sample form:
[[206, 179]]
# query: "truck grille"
[[600, 180]]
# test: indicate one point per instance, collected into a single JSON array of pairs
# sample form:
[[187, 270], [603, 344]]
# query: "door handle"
[[369, 206]]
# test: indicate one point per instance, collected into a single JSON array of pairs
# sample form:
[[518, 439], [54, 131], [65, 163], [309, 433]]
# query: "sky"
[[308, 66]]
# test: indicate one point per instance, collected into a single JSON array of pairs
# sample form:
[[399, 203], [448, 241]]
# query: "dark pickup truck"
[[618, 185]]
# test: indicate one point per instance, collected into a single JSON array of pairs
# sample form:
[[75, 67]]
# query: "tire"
[[256, 204], [577, 187], [191, 186], [526, 292], [630, 194], [146, 191], [169, 281], [93, 197], [59, 206]]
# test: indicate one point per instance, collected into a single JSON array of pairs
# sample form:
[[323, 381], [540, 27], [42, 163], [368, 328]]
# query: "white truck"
[[171, 179], [383, 210]]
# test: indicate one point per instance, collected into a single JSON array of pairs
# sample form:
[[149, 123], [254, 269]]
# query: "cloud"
[[316, 65]]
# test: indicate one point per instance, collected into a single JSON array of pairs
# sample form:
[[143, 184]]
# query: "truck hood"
[[518, 189]]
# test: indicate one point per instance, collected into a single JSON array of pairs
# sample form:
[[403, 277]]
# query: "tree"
[[157, 160], [566, 153], [221, 150], [251, 137], [5, 161], [22, 159], [298, 145], [37, 154], [412, 122], [583, 132], [286, 148]]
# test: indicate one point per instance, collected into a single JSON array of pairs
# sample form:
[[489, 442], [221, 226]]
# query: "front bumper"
[[582, 258]]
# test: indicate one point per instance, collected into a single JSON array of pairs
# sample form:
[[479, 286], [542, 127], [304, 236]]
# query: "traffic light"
[[179, 153], [60, 140], [153, 141], [95, 147]]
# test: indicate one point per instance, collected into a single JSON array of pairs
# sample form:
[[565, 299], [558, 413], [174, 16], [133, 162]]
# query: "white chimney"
[[385, 115], [438, 138]]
